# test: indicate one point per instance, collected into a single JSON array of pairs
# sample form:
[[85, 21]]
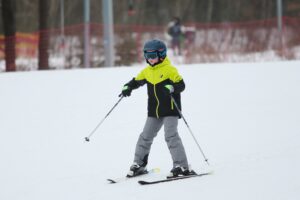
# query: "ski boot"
[[136, 170], [181, 171]]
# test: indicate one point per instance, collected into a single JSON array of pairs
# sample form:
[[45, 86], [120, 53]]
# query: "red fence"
[[226, 42]]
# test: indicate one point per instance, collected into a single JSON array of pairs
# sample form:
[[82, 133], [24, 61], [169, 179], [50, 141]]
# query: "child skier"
[[163, 80]]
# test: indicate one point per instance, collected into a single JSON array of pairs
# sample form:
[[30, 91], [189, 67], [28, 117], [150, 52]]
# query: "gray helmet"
[[153, 47]]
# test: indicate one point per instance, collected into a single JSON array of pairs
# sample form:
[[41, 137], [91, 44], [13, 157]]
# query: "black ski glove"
[[126, 91], [168, 89]]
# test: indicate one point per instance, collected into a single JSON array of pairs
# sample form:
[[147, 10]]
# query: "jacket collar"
[[165, 62]]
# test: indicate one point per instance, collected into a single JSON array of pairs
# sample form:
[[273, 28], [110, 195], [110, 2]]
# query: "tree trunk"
[[9, 23], [210, 8], [44, 35]]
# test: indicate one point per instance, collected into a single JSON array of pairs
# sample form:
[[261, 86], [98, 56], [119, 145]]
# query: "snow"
[[244, 115]]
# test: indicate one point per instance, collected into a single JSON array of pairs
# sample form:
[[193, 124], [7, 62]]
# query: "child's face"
[[153, 61]]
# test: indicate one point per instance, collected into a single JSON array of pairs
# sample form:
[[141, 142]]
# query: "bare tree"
[[44, 35], [9, 22], [210, 7]]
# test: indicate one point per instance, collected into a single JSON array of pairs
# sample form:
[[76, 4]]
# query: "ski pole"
[[90, 135], [180, 113]]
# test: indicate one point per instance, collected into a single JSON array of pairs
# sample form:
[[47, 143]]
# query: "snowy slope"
[[245, 116]]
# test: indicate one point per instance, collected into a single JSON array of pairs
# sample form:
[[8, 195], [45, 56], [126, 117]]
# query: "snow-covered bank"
[[245, 116]]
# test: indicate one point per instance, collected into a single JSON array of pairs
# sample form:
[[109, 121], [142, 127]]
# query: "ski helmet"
[[155, 48]]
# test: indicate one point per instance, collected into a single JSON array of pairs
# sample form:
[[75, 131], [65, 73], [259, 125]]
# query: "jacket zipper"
[[154, 87]]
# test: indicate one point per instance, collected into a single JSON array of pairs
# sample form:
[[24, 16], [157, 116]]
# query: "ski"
[[172, 179], [124, 178]]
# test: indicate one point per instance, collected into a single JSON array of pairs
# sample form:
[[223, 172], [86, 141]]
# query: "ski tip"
[[205, 173], [210, 172], [143, 182], [111, 181], [156, 170]]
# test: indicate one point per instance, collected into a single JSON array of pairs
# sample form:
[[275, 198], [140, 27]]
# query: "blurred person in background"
[[163, 81], [176, 31]]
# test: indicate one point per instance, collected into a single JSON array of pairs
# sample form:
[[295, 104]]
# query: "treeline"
[[148, 12], [40, 16]]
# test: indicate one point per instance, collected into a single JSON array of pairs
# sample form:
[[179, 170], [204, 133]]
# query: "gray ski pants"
[[151, 128]]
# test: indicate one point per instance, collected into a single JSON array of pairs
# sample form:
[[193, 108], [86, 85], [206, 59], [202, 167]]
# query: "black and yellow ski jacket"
[[156, 77]]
